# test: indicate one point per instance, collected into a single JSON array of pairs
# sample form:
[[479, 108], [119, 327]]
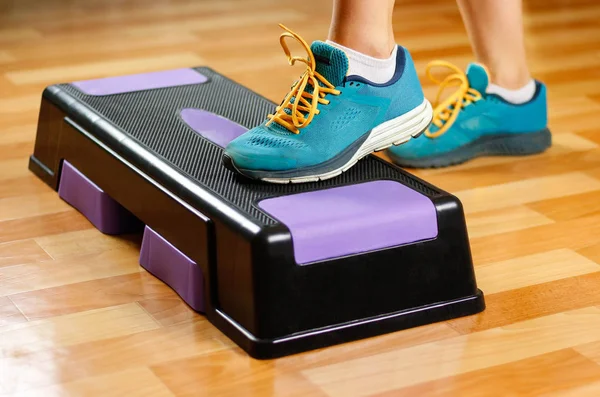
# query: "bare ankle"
[[375, 48], [511, 78]]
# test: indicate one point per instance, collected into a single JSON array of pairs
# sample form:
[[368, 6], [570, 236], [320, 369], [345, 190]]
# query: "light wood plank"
[[548, 374], [36, 276], [568, 141], [20, 104], [36, 369], [340, 353], [594, 172], [97, 293], [21, 252], [591, 389], [589, 134], [533, 269], [571, 207], [543, 17], [220, 367], [19, 34], [24, 228], [86, 242], [575, 121], [592, 252], [13, 168], [16, 150], [6, 57], [571, 106], [230, 374], [590, 350], [27, 185], [504, 308], [9, 313], [487, 223], [103, 69], [212, 374], [526, 191], [69, 330], [207, 24], [407, 367], [581, 233], [169, 310], [34, 205], [139, 382], [50, 49]]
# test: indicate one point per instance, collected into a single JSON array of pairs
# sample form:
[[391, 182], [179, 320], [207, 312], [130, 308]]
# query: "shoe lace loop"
[[446, 112], [302, 104]]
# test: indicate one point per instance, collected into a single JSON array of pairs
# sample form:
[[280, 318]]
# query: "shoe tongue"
[[478, 77], [332, 63]]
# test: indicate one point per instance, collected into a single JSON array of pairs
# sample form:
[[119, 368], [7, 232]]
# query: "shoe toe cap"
[[257, 150]]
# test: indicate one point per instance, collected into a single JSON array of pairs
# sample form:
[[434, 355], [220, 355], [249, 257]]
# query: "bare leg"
[[495, 28], [364, 26]]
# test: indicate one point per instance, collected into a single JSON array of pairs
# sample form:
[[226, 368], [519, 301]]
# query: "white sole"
[[393, 132]]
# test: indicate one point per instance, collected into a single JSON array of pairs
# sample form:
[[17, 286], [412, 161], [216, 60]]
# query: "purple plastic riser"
[[140, 82], [341, 221], [99, 208], [215, 128], [175, 269]]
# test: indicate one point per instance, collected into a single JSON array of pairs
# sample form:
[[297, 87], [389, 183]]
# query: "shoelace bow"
[[446, 112], [302, 111]]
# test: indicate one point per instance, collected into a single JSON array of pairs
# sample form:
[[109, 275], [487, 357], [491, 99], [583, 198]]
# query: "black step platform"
[[278, 268]]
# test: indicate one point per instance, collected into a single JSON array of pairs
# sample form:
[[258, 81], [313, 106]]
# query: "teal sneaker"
[[471, 123], [329, 121]]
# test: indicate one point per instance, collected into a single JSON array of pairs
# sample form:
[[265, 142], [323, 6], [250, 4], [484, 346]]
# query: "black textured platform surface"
[[139, 113]]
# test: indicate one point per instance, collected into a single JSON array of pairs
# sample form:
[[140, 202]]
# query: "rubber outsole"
[[412, 125], [498, 145]]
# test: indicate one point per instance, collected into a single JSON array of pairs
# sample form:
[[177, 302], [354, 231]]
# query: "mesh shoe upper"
[[346, 118], [488, 116]]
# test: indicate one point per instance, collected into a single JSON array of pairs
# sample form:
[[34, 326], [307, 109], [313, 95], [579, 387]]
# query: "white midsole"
[[392, 132]]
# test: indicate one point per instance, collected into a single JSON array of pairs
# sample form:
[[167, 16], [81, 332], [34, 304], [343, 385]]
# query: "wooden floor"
[[79, 317]]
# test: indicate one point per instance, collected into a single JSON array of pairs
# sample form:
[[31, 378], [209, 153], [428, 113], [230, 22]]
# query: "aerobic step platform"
[[278, 268]]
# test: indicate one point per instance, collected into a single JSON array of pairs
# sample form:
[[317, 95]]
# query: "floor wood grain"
[[79, 317]]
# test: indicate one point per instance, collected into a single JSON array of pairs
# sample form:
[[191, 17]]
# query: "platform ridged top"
[[153, 119]]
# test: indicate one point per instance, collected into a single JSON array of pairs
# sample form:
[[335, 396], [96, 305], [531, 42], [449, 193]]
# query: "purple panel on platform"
[[104, 212], [175, 269], [347, 220], [140, 82], [211, 126]]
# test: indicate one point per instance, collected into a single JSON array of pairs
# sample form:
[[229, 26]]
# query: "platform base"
[[279, 269], [356, 330]]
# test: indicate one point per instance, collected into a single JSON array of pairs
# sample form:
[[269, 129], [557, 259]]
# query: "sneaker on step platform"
[[329, 121], [471, 123]]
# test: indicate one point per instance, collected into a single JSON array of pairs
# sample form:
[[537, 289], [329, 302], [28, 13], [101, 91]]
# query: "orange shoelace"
[[302, 104], [446, 112]]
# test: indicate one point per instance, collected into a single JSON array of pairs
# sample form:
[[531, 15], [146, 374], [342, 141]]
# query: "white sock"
[[518, 96], [377, 70]]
